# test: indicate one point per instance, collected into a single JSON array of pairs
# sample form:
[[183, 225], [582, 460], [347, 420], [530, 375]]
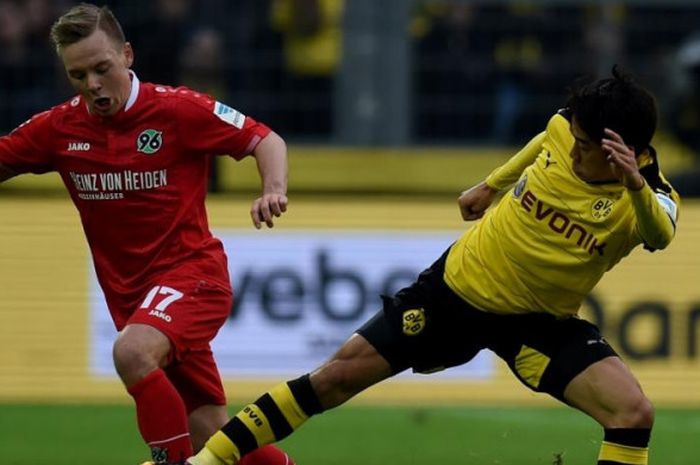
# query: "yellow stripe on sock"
[[624, 454], [257, 423], [221, 446], [286, 402]]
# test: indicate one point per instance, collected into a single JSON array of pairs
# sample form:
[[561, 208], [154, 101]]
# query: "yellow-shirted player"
[[560, 228], [578, 198]]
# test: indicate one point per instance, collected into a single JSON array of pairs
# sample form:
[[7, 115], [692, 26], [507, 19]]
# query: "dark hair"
[[616, 103], [81, 21]]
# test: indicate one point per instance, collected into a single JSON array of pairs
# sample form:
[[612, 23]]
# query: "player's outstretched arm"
[[474, 202], [508, 173], [271, 157]]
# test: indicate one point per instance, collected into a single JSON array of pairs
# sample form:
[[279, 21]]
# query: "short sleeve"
[[207, 126], [26, 149]]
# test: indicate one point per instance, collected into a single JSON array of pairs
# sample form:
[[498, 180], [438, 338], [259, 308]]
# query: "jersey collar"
[[134, 94]]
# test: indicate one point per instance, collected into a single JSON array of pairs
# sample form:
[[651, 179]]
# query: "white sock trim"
[[153, 443]]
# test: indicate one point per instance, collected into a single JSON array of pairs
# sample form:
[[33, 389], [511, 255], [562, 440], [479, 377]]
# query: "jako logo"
[[161, 315], [78, 146]]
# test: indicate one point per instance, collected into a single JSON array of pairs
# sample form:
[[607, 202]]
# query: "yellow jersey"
[[552, 236]]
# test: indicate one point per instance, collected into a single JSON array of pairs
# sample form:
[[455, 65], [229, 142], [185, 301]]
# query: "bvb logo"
[[149, 141], [602, 208], [413, 321]]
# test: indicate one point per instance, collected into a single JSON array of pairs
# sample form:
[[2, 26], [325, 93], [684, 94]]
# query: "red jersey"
[[139, 180]]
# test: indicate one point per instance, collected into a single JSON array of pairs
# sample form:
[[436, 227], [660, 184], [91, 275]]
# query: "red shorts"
[[189, 311]]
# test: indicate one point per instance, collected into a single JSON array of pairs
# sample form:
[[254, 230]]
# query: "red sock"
[[267, 455], [162, 418]]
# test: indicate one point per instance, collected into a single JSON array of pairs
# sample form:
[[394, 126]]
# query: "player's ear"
[[128, 54]]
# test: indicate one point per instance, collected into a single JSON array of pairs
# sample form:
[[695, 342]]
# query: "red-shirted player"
[[135, 159]]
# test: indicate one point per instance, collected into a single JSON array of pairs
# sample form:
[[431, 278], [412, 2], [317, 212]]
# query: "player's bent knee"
[[131, 362], [643, 416], [638, 413]]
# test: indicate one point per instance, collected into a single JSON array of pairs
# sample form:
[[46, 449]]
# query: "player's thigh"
[[546, 353], [426, 327], [188, 310], [608, 391]]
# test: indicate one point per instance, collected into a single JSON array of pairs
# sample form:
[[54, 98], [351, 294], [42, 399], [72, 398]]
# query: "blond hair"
[[81, 21]]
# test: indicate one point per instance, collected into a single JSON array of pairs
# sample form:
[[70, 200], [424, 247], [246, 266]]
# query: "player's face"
[[589, 160], [98, 68]]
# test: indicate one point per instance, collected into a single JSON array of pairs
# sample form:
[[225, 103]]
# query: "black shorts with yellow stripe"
[[428, 327]]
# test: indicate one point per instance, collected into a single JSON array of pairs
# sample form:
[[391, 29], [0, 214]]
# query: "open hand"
[[623, 160], [265, 207]]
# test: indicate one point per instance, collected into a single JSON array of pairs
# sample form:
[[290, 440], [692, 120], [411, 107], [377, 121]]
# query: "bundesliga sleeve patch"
[[668, 205], [229, 115]]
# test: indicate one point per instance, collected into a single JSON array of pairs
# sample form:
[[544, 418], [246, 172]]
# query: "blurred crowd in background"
[[478, 73]]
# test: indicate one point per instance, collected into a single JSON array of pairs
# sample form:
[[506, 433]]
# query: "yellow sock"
[[274, 416], [611, 453], [207, 457]]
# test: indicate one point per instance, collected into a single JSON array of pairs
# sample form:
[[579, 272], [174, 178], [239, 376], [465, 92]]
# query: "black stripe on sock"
[[244, 438], [280, 426], [633, 437], [305, 396], [608, 462]]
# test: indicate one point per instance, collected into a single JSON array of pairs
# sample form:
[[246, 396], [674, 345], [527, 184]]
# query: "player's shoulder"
[[560, 122], [179, 96], [72, 109], [54, 117], [558, 131], [187, 103]]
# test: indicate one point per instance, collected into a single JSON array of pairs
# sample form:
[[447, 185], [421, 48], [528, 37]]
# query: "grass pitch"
[[354, 435]]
